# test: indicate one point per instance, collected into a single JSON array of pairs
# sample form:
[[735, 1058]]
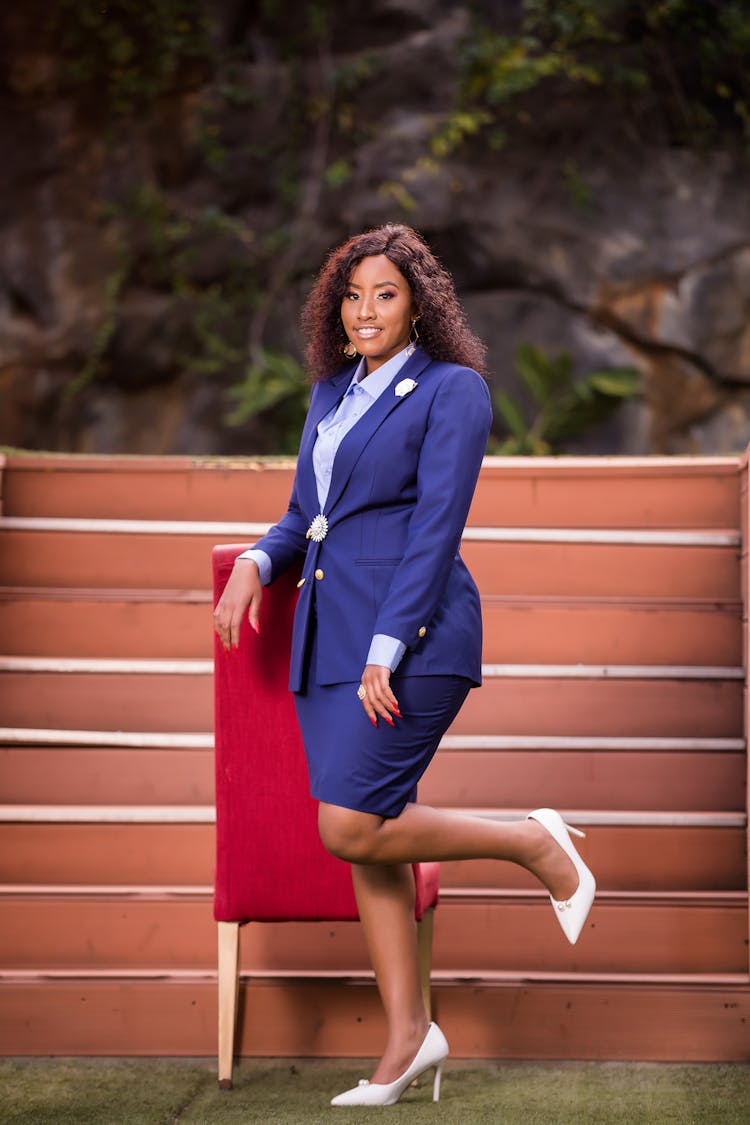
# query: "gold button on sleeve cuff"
[[319, 574], [422, 631]]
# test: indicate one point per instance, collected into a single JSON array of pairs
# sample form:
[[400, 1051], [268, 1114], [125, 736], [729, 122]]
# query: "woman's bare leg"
[[385, 898], [423, 834]]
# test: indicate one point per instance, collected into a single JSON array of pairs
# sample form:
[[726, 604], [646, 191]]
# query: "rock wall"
[[649, 267]]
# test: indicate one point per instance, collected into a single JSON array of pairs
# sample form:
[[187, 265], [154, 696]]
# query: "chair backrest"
[[270, 862]]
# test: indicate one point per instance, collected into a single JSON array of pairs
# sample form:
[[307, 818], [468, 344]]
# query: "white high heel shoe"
[[573, 912], [433, 1052]]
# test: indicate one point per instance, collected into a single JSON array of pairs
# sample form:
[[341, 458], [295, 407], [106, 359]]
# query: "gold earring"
[[413, 336], [349, 350]]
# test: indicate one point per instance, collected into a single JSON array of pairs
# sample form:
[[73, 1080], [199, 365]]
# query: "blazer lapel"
[[329, 394], [351, 447]]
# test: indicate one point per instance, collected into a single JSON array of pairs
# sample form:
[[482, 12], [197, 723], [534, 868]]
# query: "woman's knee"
[[347, 834]]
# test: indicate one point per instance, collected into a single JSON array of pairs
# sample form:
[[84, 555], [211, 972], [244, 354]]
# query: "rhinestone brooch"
[[318, 529]]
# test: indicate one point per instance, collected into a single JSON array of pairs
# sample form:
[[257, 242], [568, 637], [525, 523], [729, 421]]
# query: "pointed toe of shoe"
[[573, 912], [354, 1096]]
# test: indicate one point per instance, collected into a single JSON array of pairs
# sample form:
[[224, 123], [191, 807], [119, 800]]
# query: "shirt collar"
[[376, 383]]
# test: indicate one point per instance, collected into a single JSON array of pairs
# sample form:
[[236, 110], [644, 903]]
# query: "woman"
[[387, 632]]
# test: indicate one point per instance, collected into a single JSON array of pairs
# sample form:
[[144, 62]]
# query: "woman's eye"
[[350, 296], [386, 295]]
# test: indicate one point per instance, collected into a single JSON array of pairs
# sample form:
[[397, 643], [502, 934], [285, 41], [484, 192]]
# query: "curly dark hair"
[[443, 331]]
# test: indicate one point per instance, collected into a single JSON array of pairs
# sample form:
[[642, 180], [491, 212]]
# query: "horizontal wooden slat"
[[624, 858], [68, 623], [41, 736], [602, 780], [30, 736], [205, 814], [33, 558], [484, 933], [516, 629], [218, 529], [654, 491], [622, 537], [148, 487], [602, 570], [634, 492], [602, 707], [608, 632], [185, 703], [107, 853], [98, 559], [606, 779], [182, 666], [510, 1017]]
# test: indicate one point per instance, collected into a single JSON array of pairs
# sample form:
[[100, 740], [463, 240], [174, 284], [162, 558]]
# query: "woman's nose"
[[366, 308]]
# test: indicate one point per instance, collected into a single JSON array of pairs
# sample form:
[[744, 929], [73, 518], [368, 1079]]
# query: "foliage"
[[121, 55], [566, 407], [112, 290], [275, 382], [676, 69]]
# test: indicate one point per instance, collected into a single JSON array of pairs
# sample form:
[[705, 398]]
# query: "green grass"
[[161, 1091]]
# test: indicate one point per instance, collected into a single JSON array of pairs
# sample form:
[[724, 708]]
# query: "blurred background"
[[174, 173]]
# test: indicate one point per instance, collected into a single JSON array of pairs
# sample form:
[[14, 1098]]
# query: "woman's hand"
[[378, 698], [242, 592]]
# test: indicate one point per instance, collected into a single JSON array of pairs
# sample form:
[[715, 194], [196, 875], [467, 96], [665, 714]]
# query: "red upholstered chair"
[[270, 863]]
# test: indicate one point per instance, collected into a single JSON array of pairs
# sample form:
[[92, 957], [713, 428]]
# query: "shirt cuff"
[[263, 562], [386, 651]]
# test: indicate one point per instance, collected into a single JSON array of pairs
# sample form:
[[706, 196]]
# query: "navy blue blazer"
[[403, 479]]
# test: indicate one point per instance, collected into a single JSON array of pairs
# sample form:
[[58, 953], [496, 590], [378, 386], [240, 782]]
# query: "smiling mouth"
[[368, 331]]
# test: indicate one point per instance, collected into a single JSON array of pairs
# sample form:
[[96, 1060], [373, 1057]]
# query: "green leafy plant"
[[275, 382], [674, 68], [566, 407]]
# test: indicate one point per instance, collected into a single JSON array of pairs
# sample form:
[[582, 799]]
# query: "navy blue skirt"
[[371, 769]]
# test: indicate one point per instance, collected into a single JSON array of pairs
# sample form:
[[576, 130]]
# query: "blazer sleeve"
[[449, 463], [286, 542]]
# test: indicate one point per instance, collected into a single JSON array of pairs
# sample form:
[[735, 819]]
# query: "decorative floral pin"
[[405, 387]]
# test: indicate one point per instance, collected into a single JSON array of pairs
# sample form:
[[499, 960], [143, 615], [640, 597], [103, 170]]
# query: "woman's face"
[[377, 310]]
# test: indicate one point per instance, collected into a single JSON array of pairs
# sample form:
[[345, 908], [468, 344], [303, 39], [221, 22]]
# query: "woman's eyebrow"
[[378, 285]]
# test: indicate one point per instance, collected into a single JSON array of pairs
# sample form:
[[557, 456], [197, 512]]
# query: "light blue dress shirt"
[[362, 392]]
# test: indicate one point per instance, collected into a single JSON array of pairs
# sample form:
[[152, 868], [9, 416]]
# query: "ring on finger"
[[361, 692]]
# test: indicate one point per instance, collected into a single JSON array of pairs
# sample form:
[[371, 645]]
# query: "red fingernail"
[[373, 720], [397, 713], [256, 626], [389, 720]]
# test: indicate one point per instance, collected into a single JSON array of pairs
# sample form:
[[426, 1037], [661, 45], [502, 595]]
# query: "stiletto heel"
[[436, 1083], [433, 1052], [573, 912]]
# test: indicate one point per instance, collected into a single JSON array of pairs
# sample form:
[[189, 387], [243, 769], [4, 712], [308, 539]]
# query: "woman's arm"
[[449, 464], [243, 593]]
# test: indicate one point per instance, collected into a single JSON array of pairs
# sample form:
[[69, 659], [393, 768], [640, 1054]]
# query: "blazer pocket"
[[377, 562]]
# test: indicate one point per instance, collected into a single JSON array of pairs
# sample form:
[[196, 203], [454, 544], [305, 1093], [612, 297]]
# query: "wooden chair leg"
[[229, 981], [424, 947]]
